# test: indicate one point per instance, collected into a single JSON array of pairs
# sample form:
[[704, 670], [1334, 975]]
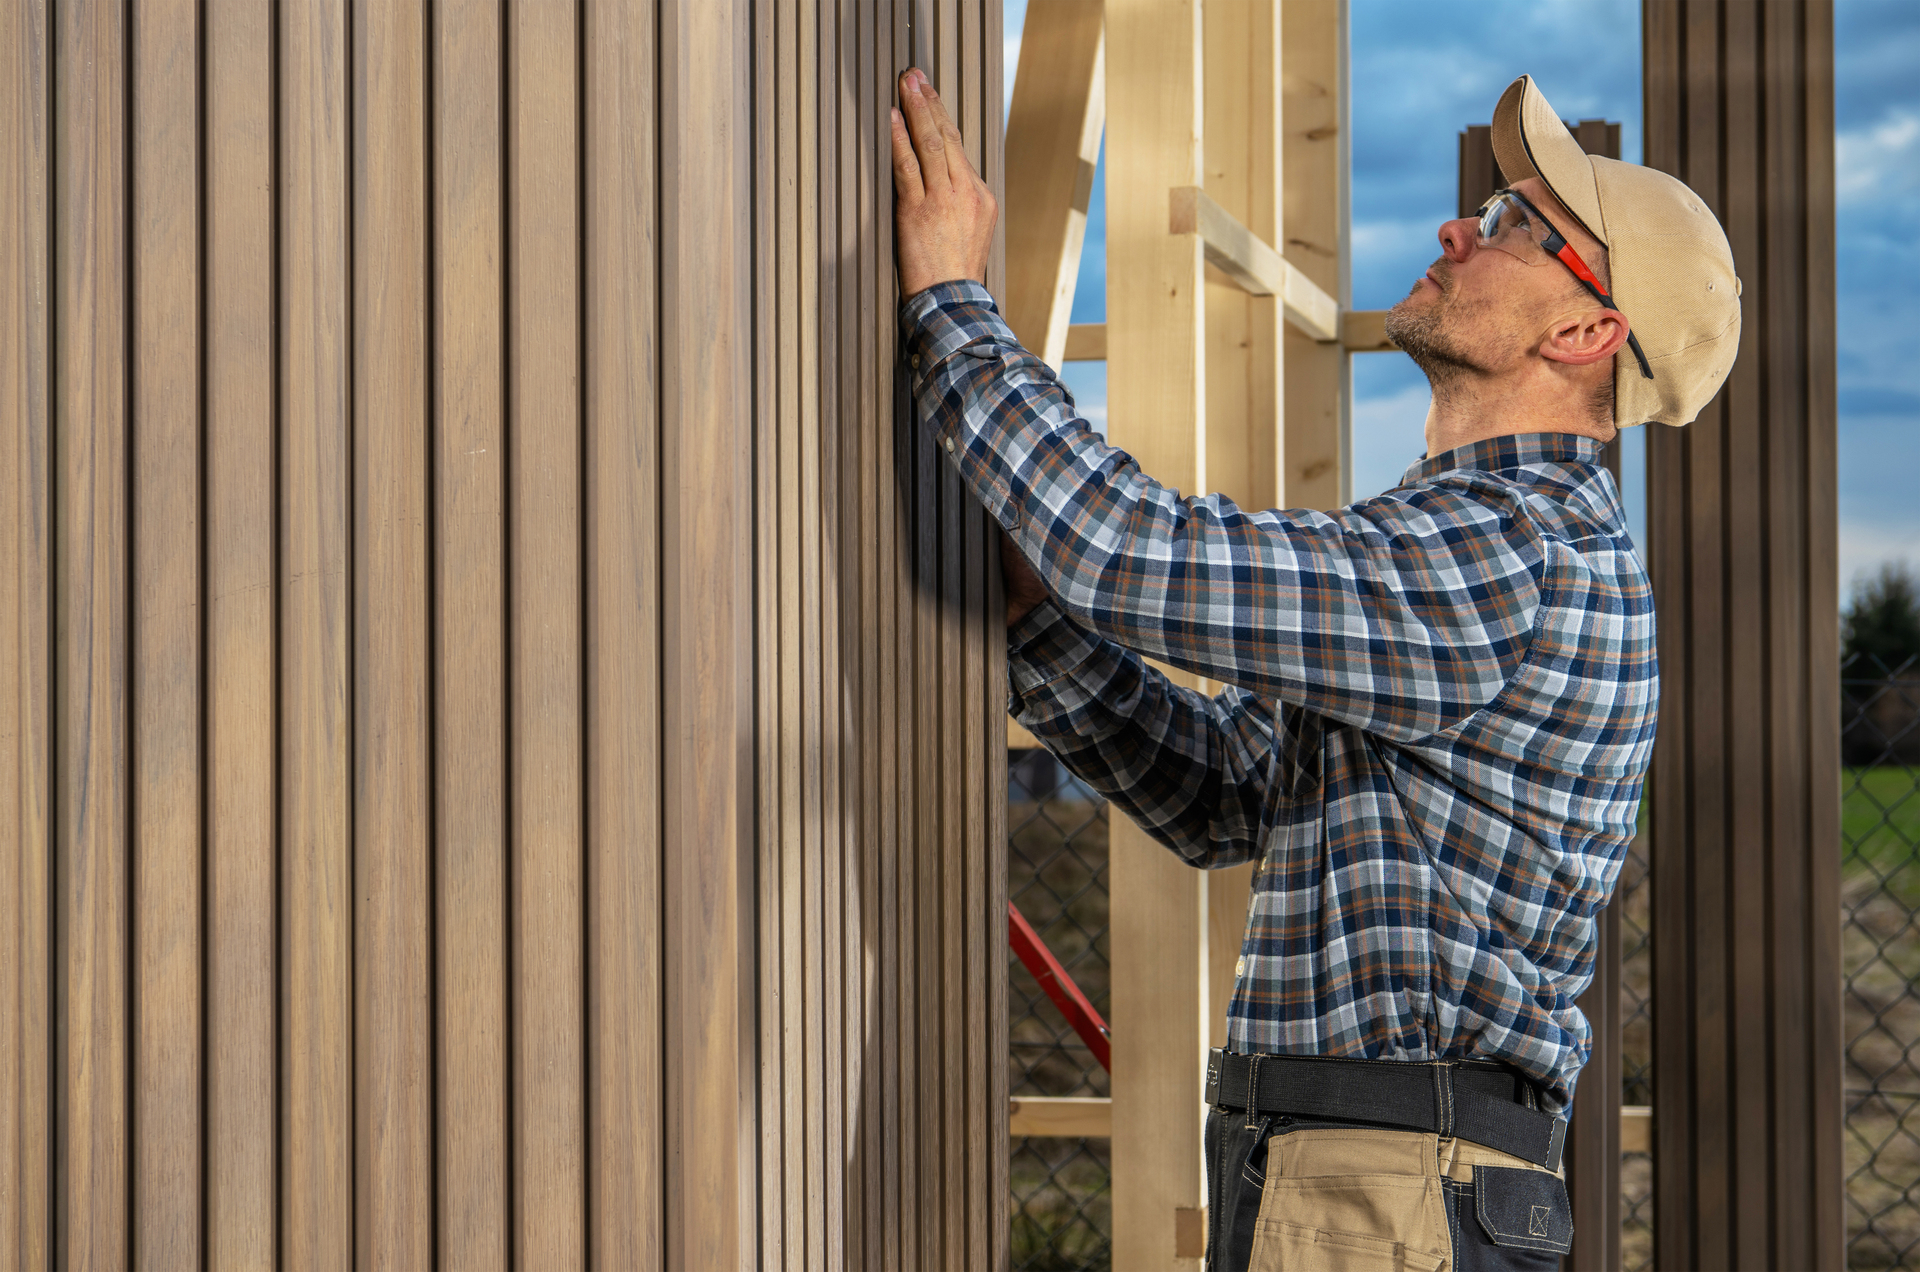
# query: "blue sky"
[[1420, 74]]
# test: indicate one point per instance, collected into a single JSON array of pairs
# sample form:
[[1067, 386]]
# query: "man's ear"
[[1585, 336]]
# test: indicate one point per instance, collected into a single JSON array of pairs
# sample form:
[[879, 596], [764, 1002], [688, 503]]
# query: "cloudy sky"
[[1420, 74]]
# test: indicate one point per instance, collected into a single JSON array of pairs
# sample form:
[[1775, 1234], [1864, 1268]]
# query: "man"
[[1440, 701]]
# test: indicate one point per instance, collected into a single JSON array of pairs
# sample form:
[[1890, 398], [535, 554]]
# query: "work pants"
[[1299, 1196]]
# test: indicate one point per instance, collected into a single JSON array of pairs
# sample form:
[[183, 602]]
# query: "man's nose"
[[1459, 238]]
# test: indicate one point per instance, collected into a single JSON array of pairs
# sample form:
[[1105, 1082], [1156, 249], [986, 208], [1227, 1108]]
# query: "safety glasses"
[[1510, 224]]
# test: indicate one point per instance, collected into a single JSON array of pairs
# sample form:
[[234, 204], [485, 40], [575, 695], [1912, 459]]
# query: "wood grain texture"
[[92, 711], [543, 256], [394, 1203], [1054, 127], [1314, 157], [26, 1109], [166, 630], [626, 1225], [706, 702], [1157, 377], [481, 466], [316, 650], [241, 328], [1245, 348], [468, 656], [1742, 556]]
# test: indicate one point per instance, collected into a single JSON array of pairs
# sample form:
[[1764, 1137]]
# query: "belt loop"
[[1215, 1095], [1443, 1097], [1253, 1094]]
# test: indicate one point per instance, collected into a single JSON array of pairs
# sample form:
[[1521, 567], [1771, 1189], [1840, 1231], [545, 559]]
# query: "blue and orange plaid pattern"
[[1439, 706]]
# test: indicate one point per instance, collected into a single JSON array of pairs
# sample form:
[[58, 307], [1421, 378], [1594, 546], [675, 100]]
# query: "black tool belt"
[[1484, 1101]]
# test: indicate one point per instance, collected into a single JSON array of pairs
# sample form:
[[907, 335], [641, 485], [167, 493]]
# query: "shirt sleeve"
[[1190, 770], [1401, 615]]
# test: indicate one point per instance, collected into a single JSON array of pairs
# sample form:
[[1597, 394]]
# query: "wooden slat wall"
[[1745, 783], [500, 760]]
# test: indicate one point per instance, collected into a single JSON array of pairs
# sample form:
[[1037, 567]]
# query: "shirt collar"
[[1494, 454]]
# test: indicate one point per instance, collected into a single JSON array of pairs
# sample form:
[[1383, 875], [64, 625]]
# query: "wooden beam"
[[1365, 331], [1087, 342], [1156, 384], [1636, 1128], [1319, 381], [1091, 1117], [1053, 143], [1060, 1117], [1246, 259]]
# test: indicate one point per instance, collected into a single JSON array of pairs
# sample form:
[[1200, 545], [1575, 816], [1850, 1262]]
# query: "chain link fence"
[[1633, 895], [1880, 950], [1062, 1212]]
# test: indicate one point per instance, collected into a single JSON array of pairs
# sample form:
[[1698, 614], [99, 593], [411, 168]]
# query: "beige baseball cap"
[[1671, 267]]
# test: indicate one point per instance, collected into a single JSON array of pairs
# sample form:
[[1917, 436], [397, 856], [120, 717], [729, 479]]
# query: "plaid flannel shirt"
[[1439, 705]]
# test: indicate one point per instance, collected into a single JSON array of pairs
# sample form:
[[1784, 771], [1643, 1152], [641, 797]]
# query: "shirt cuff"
[[1042, 648], [930, 322]]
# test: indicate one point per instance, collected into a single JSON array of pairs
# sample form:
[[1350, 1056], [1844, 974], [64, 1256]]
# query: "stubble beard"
[[1429, 335]]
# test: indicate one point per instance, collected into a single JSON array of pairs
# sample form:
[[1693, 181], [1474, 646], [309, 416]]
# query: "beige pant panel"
[[1362, 1201]]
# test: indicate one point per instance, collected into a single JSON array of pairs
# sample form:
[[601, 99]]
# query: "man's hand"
[[1023, 587], [943, 213]]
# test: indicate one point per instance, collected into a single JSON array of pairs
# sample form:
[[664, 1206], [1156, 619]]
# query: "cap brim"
[[1530, 141]]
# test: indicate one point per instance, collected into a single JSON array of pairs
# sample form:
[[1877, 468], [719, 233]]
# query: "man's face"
[[1484, 309]]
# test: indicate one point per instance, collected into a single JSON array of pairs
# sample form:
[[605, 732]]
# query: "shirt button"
[[949, 446], [1240, 968], [914, 361]]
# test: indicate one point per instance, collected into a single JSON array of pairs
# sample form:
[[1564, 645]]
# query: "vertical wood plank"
[[1245, 356], [825, 672], [92, 708], [1314, 156], [1593, 1138], [1157, 383], [872, 88], [26, 1111], [624, 753], [543, 439], [316, 563], [891, 516], [990, 1123], [467, 657], [166, 629], [241, 335], [393, 1023], [706, 668], [848, 739], [768, 336], [792, 132], [810, 932], [1244, 334]]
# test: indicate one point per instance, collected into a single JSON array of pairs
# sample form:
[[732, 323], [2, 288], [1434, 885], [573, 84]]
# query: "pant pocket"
[[1351, 1223], [1279, 1246]]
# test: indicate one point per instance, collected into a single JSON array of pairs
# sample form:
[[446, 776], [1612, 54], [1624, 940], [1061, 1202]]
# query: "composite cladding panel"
[[499, 756], [1744, 791]]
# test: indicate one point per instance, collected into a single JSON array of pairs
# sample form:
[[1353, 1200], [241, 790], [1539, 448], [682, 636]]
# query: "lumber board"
[[543, 254], [316, 642], [1156, 378], [91, 593], [1313, 50], [394, 1200], [1054, 128], [164, 533], [26, 1104], [241, 326]]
